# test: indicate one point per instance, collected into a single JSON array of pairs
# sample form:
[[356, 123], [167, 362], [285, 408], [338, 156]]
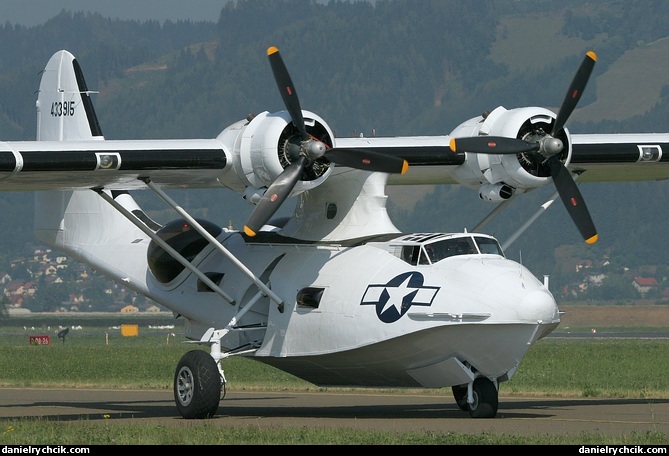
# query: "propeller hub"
[[551, 146], [314, 149]]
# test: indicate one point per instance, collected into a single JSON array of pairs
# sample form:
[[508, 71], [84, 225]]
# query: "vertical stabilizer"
[[64, 107], [80, 222]]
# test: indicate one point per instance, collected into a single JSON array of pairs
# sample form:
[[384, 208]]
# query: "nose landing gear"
[[483, 400]]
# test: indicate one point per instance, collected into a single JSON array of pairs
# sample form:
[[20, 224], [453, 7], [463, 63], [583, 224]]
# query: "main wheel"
[[197, 385], [460, 395], [485, 399]]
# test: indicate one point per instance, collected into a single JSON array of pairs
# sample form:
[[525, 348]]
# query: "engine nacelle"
[[262, 146], [521, 172]]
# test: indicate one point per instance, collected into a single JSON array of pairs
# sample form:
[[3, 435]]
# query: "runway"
[[355, 410]]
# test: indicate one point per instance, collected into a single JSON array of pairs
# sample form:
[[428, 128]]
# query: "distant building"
[[645, 284], [4, 278]]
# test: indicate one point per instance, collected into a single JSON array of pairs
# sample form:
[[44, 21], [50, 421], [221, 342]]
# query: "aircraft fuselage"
[[424, 318]]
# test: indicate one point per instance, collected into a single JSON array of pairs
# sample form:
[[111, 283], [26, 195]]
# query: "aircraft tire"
[[486, 399], [197, 385], [460, 395]]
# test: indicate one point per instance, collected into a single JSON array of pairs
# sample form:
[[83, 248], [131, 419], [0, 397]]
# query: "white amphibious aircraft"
[[335, 294]]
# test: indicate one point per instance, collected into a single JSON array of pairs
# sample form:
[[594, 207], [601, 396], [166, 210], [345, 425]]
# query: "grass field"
[[98, 356]]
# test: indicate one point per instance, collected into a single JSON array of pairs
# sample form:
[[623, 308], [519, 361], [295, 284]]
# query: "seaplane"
[[334, 293]]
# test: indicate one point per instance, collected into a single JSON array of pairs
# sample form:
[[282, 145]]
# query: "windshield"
[[487, 245], [437, 251]]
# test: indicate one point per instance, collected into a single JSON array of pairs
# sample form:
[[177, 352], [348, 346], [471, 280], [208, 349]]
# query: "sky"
[[35, 12]]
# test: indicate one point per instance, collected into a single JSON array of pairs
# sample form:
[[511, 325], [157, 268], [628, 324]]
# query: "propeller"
[[309, 149], [500, 145], [548, 146], [274, 196]]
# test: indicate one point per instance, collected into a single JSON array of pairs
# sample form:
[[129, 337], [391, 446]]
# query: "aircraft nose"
[[538, 306]]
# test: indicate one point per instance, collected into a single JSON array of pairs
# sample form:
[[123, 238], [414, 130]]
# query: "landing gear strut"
[[197, 385], [484, 398]]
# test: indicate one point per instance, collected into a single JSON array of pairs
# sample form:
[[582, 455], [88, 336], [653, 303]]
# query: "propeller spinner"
[[549, 147], [309, 150]]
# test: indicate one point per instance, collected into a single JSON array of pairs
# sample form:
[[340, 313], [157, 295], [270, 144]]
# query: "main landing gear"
[[197, 385], [484, 399]]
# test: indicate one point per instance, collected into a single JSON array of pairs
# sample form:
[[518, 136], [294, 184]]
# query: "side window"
[[410, 254], [310, 297]]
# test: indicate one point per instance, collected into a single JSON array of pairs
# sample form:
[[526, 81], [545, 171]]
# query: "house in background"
[[645, 284]]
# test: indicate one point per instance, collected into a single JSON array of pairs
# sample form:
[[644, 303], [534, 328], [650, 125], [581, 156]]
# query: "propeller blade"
[[275, 195], [492, 145], [367, 160], [572, 200], [575, 91], [287, 90]]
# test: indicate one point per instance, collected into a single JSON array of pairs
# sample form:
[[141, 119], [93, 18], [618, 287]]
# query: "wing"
[[593, 157], [71, 152], [620, 157], [271, 156], [510, 152], [115, 165]]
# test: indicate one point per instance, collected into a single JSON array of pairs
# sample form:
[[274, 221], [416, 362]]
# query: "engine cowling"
[[523, 171], [262, 146]]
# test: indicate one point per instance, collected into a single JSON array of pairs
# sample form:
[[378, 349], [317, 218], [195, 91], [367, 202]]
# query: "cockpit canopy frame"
[[429, 249]]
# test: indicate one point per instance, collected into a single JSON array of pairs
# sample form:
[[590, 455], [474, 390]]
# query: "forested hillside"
[[396, 67]]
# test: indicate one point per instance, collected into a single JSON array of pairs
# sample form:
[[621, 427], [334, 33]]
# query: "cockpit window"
[[436, 247], [489, 246], [410, 254], [437, 251]]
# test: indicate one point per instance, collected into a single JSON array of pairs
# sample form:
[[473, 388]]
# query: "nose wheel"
[[484, 401]]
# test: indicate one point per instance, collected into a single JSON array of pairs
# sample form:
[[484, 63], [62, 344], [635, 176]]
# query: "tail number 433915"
[[62, 108]]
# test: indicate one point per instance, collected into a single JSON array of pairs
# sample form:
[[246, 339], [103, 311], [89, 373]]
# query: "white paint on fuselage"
[[485, 311]]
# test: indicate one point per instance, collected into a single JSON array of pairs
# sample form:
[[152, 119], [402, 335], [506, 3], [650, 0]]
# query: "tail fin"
[[64, 107], [81, 223]]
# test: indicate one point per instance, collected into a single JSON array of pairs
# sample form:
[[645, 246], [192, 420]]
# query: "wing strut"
[[531, 220], [213, 336], [259, 283], [146, 230], [494, 213]]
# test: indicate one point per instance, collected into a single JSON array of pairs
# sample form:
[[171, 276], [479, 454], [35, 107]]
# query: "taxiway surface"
[[355, 410]]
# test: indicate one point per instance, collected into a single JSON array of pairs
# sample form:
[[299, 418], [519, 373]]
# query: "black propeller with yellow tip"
[[310, 149], [548, 147]]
